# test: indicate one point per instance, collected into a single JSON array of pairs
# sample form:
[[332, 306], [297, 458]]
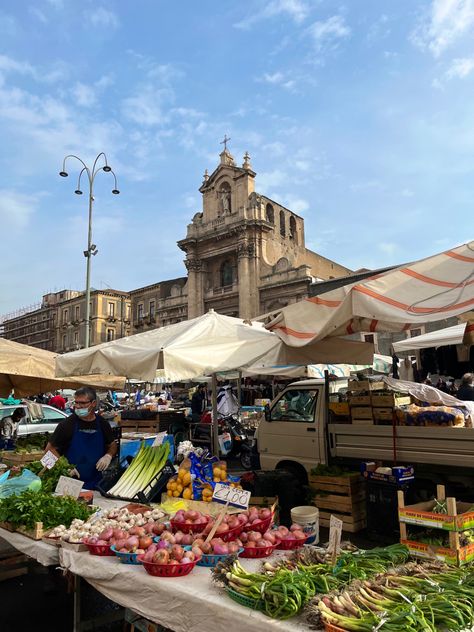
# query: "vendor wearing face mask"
[[85, 439]]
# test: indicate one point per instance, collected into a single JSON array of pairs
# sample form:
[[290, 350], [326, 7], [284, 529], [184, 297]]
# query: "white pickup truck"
[[298, 433]]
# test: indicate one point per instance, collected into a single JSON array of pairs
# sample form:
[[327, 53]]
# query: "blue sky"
[[357, 115]]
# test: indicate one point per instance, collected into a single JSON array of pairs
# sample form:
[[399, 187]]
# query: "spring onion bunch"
[[147, 464], [427, 601]]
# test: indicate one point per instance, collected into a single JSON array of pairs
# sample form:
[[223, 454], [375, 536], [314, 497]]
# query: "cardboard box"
[[464, 555], [421, 514]]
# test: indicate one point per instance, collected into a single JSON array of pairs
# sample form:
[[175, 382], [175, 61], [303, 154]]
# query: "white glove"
[[74, 473], [103, 463]]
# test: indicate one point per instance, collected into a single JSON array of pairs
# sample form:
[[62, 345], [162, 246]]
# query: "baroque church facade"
[[245, 255]]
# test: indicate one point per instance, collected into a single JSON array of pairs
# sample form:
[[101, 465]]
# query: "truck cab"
[[293, 434]]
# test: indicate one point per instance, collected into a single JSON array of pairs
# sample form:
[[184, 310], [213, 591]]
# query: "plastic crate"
[[243, 600], [147, 495]]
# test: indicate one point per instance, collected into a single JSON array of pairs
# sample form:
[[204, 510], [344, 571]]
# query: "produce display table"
[[183, 604], [44, 553]]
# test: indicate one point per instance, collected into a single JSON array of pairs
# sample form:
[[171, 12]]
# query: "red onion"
[[106, 534]]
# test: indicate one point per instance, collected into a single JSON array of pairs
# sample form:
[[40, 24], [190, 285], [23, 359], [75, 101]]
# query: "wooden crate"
[[13, 458], [389, 399], [421, 515], [365, 385], [360, 400], [35, 534], [342, 497], [362, 412], [139, 425], [383, 414], [13, 565]]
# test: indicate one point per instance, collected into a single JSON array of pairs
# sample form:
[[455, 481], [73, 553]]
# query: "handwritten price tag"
[[68, 487], [335, 533], [230, 495], [48, 460], [160, 437]]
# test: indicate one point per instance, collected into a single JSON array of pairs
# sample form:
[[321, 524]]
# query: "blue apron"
[[87, 447]]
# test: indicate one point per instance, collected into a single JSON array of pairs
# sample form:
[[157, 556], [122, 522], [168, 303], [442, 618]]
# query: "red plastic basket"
[[167, 570], [102, 550], [329, 627], [230, 535], [261, 527], [188, 528], [289, 545], [258, 551]]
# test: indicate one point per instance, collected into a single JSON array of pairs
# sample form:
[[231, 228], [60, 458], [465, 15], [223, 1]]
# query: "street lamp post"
[[91, 248]]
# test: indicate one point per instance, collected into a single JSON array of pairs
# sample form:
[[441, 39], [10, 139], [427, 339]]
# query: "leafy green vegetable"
[[50, 478], [31, 443], [30, 507], [330, 470]]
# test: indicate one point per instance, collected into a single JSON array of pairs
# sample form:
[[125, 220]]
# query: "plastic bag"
[[19, 484]]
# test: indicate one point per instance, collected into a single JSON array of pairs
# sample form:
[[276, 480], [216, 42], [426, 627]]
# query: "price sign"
[[226, 494], [68, 487], [48, 460], [335, 533], [160, 437]]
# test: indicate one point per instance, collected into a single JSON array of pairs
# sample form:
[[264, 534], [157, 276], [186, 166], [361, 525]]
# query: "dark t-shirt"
[[62, 435], [466, 393]]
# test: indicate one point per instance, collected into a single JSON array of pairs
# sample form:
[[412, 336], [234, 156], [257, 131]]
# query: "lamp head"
[[63, 174], [78, 192], [115, 191], [107, 169]]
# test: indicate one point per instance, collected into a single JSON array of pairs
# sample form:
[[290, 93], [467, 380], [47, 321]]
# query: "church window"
[[282, 224], [293, 228], [227, 274], [270, 213]]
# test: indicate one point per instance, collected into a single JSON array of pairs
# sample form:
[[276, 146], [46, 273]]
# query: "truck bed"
[[437, 446]]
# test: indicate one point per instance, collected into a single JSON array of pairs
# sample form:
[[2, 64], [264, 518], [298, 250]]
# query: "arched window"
[[282, 224], [293, 234], [227, 273], [270, 214]]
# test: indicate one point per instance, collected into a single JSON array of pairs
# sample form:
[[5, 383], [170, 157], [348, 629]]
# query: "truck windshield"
[[295, 405]]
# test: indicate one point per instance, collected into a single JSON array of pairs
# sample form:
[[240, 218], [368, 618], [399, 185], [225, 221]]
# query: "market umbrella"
[[29, 370], [427, 290], [440, 338]]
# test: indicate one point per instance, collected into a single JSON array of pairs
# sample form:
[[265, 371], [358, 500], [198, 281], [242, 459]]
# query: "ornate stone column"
[[195, 268], [247, 282]]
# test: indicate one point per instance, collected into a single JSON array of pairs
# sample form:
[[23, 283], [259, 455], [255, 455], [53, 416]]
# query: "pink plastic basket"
[[167, 570], [258, 551], [102, 550]]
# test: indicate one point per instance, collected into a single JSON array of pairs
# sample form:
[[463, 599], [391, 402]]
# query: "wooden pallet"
[[342, 497], [13, 565]]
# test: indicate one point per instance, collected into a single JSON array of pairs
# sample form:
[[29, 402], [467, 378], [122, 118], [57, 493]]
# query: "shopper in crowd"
[[198, 402], [9, 425], [466, 389], [58, 401], [85, 438]]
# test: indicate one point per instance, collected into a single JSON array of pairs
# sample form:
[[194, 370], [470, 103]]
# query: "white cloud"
[[278, 79], [443, 24], [296, 10], [103, 18], [368, 185], [146, 107], [16, 209], [270, 179], [295, 204], [8, 65], [84, 95], [38, 14], [460, 68], [327, 33]]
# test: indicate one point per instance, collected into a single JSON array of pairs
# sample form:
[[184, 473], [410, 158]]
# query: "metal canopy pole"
[[215, 425], [239, 389]]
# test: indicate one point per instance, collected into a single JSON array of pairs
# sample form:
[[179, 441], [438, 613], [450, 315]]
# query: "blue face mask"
[[82, 412]]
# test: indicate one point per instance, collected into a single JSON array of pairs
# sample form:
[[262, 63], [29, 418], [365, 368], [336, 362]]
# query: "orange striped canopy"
[[431, 289]]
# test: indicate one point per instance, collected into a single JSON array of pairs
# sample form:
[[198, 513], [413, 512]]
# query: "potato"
[[176, 494]]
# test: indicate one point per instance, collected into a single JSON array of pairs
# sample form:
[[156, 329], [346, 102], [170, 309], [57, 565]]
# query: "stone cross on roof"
[[225, 141]]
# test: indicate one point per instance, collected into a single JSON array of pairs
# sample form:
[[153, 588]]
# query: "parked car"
[[28, 425]]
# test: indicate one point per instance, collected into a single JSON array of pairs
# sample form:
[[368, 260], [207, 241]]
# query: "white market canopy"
[[440, 338], [29, 370], [208, 344], [380, 364], [428, 290]]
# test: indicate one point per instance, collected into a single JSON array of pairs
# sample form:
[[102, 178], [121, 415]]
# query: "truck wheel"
[[246, 460], [298, 471]]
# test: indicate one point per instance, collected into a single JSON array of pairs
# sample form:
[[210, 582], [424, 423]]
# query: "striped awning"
[[428, 290]]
